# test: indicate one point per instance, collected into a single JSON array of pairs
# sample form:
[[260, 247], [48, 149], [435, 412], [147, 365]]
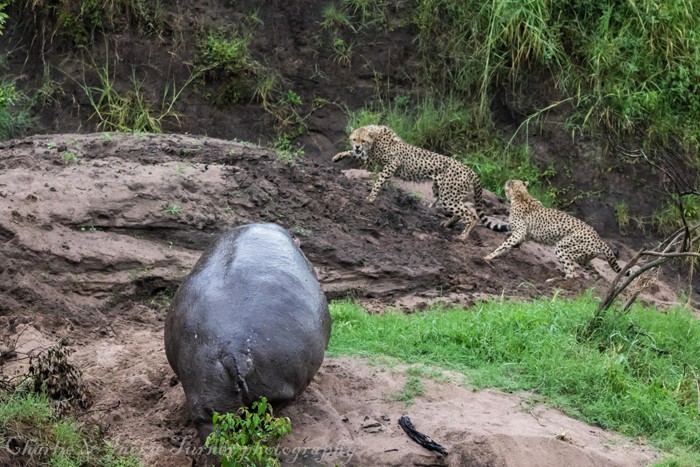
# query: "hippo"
[[250, 320]]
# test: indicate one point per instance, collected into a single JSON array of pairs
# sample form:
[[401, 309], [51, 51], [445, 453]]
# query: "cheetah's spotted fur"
[[576, 241], [452, 180]]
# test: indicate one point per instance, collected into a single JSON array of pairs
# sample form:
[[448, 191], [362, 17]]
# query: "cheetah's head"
[[516, 189], [361, 140]]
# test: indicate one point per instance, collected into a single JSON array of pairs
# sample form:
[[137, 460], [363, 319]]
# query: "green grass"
[[3, 16], [130, 111], [334, 18], [410, 390], [628, 66], [228, 53], [52, 440], [369, 13], [668, 219], [81, 21], [286, 150], [14, 111], [636, 374]]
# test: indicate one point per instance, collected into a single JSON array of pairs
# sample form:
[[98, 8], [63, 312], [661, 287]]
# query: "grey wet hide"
[[250, 320]]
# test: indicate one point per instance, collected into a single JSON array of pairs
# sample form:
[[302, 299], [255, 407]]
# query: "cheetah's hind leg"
[[436, 194], [473, 221], [451, 221], [565, 257]]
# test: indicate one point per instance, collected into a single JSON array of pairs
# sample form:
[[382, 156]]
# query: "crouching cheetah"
[[452, 180], [576, 241]]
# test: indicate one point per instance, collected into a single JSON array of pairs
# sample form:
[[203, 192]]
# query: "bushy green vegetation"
[[450, 127], [79, 21], [3, 16], [286, 149], [246, 438], [664, 221], [225, 58], [628, 66], [34, 435], [230, 55], [668, 219], [14, 111], [636, 373]]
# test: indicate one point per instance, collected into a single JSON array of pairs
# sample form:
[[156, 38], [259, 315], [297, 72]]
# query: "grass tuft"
[[130, 111], [33, 434]]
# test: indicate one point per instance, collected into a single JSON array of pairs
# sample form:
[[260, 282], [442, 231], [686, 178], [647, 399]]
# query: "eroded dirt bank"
[[97, 231]]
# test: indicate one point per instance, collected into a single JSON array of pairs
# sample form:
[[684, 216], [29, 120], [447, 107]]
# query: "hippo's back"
[[250, 320]]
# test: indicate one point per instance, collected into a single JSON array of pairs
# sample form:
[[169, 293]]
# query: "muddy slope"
[[97, 231], [128, 218]]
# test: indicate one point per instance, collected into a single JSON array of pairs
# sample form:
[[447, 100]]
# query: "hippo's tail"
[[237, 371]]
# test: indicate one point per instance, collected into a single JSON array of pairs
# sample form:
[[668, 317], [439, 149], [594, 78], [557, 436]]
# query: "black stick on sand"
[[420, 438]]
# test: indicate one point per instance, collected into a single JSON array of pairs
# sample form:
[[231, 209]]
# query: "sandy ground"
[[92, 250], [347, 416]]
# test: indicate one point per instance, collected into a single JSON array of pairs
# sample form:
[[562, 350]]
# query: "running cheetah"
[[452, 180], [576, 241]]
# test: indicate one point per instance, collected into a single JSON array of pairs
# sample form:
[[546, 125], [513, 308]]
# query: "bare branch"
[[673, 255], [614, 291]]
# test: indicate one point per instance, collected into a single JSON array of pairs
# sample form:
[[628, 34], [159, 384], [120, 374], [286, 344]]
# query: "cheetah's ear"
[[526, 183]]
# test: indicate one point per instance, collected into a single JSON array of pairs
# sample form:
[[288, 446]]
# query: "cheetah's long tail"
[[492, 224], [612, 259]]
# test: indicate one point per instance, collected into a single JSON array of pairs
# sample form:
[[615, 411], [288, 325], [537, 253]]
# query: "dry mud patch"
[[92, 248]]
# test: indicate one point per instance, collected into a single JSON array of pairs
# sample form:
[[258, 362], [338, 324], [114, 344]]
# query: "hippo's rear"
[[250, 320]]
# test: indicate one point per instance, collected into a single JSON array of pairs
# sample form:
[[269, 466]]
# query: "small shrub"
[[286, 149], [14, 111], [173, 209], [49, 89], [52, 374], [342, 52], [245, 438], [668, 219], [622, 215], [69, 157], [225, 59], [371, 13], [226, 54], [333, 18]]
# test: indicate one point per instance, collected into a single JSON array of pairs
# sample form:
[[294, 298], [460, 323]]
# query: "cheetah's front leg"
[[516, 238], [384, 175], [342, 155]]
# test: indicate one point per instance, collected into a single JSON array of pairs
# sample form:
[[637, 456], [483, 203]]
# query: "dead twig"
[[663, 252]]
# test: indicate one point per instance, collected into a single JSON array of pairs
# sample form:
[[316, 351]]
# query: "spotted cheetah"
[[576, 241], [451, 179]]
